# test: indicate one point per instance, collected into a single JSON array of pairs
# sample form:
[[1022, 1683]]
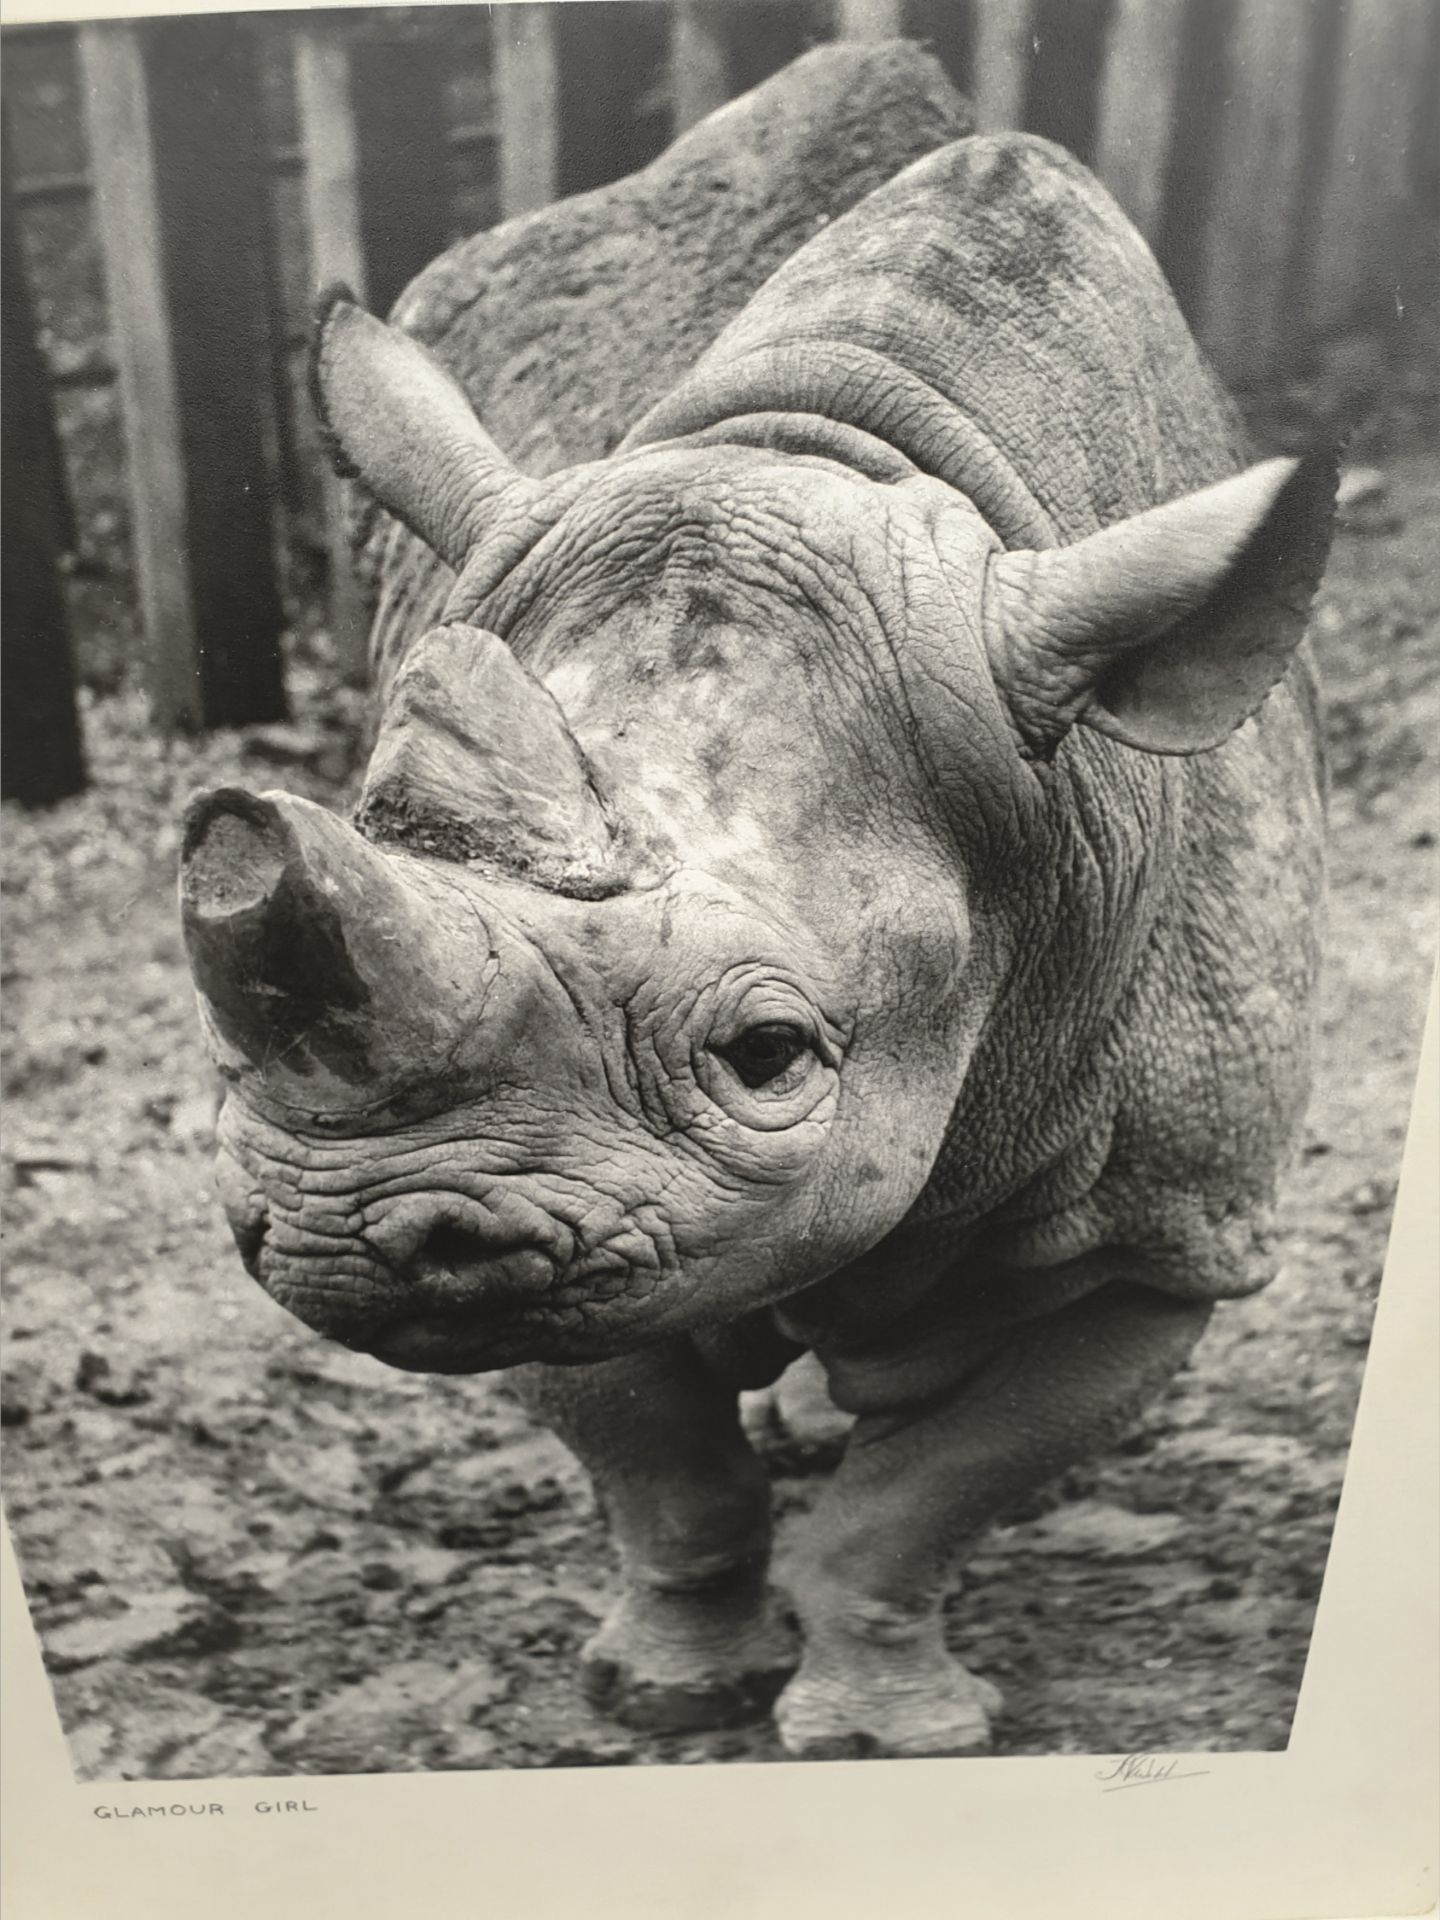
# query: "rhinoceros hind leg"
[[858, 1699], [683, 1662], [870, 1568]]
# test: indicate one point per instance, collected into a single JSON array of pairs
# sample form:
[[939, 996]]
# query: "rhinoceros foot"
[[943, 1712], [683, 1662]]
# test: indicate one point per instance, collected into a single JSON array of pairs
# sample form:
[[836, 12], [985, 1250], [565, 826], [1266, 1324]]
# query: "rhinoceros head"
[[642, 987]]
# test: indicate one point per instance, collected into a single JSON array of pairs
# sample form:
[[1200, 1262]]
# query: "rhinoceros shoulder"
[[992, 313]]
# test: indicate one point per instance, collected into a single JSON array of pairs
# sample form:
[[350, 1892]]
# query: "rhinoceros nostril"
[[447, 1245], [452, 1264]]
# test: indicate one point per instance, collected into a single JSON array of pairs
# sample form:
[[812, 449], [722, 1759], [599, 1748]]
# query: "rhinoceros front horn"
[[306, 944]]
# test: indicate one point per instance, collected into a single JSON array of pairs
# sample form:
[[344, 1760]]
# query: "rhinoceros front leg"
[[916, 1485], [695, 1639]]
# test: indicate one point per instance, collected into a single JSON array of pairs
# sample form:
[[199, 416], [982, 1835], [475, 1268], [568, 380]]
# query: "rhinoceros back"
[[564, 325], [992, 314]]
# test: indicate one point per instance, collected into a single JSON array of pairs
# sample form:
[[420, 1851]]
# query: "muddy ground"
[[248, 1553]]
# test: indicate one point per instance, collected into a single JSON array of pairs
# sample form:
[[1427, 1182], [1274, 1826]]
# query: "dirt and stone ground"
[[248, 1553]]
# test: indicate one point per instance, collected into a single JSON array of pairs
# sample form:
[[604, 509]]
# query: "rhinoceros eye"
[[762, 1054]]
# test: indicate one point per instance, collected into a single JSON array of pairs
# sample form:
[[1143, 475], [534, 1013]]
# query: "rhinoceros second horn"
[[475, 762]]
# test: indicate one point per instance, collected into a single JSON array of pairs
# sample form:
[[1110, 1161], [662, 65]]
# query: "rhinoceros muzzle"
[[440, 1287], [352, 997]]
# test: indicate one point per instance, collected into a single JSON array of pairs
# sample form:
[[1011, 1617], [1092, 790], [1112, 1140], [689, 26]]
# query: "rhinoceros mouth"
[[481, 1339], [456, 1341]]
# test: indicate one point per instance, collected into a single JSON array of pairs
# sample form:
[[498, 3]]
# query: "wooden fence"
[[181, 186]]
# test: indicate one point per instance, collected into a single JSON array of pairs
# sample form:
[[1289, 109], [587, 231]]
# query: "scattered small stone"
[[1094, 1529], [34, 1159], [518, 1498], [465, 1536], [266, 1572], [112, 1386], [1247, 1454], [160, 1744], [466, 1747], [595, 1753], [284, 744], [226, 1751], [1359, 484], [176, 1623], [327, 1580], [22, 1392], [192, 1123], [422, 1565], [388, 1715], [1373, 1196], [92, 1747], [425, 1608], [329, 1475], [390, 1478], [1362, 504], [134, 1461], [380, 1577]]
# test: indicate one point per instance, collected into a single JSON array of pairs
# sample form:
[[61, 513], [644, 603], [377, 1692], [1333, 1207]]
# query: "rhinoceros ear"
[[1166, 630], [475, 762], [395, 420]]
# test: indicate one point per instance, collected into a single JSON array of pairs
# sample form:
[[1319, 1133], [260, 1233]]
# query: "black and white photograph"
[[720, 769]]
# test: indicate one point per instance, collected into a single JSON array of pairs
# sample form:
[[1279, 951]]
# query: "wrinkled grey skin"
[[846, 774]]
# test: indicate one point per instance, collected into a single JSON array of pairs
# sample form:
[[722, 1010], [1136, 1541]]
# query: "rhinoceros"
[[837, 874]]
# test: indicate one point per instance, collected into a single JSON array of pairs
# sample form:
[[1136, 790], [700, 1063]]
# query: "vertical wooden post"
[[701, 68], [947, 28], [766, 35], [331, 149], [40, 755], [372, 132], [172, 118], [527, 93], [1258, 185], [869, 19], [1200, 98], [1137, 97], [127, 207], [1387, 80], [1002, 55], [721, 48], [612, 59], [397, 90], [1062, 91], [330, 145]]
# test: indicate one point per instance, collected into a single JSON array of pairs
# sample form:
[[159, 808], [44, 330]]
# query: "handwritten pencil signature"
[[1144, 1770]]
